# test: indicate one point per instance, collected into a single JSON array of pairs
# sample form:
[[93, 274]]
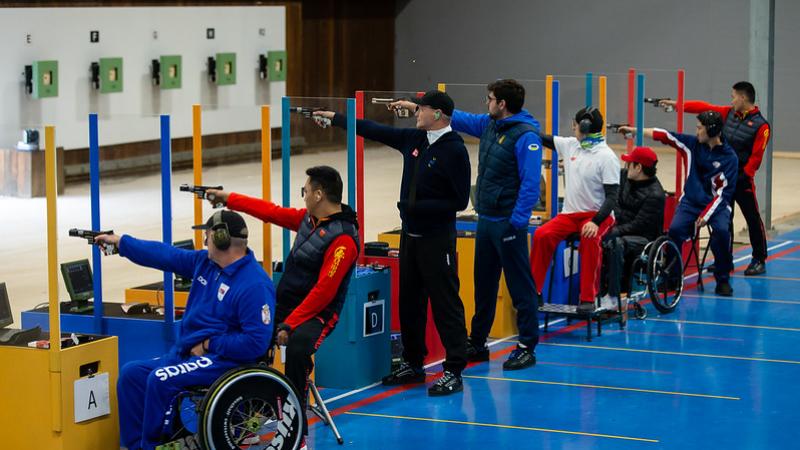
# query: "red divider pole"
[[360, 177], [680, 160], [631, 102]]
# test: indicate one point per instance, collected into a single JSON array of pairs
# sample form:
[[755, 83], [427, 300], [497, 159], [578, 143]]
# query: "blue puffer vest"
[[498, 181], [302, 267]]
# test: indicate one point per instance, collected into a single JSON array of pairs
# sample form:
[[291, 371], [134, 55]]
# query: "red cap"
[[642, 155]]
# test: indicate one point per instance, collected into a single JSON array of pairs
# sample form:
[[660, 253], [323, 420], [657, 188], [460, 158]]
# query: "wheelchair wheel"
[[251, 408], [664, 274]]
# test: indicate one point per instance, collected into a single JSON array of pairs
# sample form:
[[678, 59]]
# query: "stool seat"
[[570, 311]]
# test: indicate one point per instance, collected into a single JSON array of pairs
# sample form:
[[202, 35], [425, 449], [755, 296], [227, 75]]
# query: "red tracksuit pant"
[[549, 235]]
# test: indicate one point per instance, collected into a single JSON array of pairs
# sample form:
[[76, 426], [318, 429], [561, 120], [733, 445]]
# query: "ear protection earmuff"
[[219, 232], [585, 123], [437, 115]]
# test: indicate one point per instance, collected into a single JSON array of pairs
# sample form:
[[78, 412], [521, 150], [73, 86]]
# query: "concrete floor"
[[132, 205]]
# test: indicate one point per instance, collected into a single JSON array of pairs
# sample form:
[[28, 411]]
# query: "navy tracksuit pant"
[[499, 246], [683, 228], [146, 390]]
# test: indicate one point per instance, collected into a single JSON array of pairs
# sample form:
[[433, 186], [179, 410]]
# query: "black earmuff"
[[220, 233], [585, 123]]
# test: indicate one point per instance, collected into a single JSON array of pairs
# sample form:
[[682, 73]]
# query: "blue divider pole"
[[639, 108], [351, 151], [166, 222], [554, 164], [589, 95], [94, 190], [285, 168]]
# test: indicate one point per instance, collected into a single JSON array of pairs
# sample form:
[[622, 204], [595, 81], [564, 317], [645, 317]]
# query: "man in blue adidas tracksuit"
[[227, 323], [507, 188], [711, 172]]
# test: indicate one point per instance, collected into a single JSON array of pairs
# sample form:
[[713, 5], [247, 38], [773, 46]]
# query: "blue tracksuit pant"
[[499, 246], [682, 228], [146, 389]]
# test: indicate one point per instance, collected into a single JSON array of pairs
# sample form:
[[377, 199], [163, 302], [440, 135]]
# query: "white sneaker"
[[609, 302]]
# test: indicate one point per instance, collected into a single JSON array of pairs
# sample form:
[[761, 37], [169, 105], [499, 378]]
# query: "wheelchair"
[[250, 407], [657, 273]]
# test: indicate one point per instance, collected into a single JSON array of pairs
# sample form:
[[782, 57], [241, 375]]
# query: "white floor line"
[[746, 257], [362, 389]]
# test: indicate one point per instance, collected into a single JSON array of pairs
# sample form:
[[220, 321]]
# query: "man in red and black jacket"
[[312, 290], [747, 131]]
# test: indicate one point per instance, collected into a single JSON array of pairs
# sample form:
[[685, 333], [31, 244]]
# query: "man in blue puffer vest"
[[509, 166], [227, 323]]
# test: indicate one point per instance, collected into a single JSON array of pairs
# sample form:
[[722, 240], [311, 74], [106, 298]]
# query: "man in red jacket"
[[312, 289], [747, 131]]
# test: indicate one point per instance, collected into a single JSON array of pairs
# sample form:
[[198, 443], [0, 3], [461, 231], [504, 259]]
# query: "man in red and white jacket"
[[312, 289], [748, 132], [710, 166]]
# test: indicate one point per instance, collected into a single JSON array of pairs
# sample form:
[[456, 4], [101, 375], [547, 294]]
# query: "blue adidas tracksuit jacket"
[[232, 307]]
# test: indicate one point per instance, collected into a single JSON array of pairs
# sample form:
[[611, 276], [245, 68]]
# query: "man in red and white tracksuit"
[[316, 274], [710, 165], [592, 176], [747, 132]]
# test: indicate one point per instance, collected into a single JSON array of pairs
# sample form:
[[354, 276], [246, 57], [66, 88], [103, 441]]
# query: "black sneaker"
[[520, 358], [585, 308], [724, 289], [755, 268], [405, 374], [476, 353], [449, 383]]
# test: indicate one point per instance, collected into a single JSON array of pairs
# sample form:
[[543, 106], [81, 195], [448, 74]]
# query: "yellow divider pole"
[[197, 169], [441, 87], [52, 276], [602, 80], [548, 156], [266, 186]]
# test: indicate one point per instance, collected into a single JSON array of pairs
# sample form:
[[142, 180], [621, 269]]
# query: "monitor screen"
[[78, 278], [186, 244], [5, 307]]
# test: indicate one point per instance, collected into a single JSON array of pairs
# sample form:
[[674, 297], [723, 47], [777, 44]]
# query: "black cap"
[[236, 225], [712, 120], [436, 100]]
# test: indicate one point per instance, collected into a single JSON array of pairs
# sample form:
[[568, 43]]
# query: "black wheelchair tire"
[[656, 250], [257, 382]]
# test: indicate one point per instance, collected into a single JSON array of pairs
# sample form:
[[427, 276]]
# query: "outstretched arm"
[[391, 136], [269, 212], [153, 254]]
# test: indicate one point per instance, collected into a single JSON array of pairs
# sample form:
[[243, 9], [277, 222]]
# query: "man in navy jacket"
[[507, 188], [227, 323], [711, 170], [434, 186]]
